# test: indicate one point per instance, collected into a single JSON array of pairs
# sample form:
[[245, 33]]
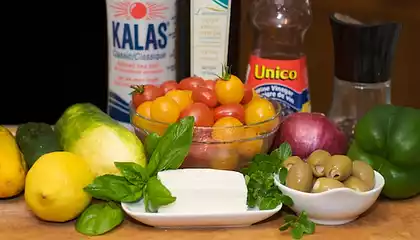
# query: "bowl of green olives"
[[331, 189]]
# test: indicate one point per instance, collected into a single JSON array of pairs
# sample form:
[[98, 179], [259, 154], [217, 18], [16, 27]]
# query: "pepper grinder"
[[363, 55]]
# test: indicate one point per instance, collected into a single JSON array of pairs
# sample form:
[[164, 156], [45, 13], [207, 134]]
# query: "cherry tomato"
[[210, 84], [204, 95], [190, 83], [249, 148], [144, 122], [235, 110], [229, 88], [226, 129], [248, 94], [164, 109], [260, 110], [168, 86], [143, 93], [203, 115], [224, 158], [182, 98]]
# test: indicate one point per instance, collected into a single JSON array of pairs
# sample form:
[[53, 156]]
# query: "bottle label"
[[285, 81], [141, 46]]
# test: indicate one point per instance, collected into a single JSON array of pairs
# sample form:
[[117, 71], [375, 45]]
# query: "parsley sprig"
[[300, 225]]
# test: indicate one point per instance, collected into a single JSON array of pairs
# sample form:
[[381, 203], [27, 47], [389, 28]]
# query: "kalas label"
[[141, 38], [283, 80]]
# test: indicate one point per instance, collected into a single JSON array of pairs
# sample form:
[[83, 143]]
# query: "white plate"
[[171, 220]]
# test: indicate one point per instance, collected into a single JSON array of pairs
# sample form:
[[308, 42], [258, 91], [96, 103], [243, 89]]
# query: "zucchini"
[[36, 139]]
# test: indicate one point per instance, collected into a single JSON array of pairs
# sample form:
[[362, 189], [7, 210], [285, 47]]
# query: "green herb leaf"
[[282, 152], [99, 218], [172, 147], [300, 225], [133, 172], [151, 143], [114, 188], [286, 200], [282, 175], [158, 195], [297, 232]]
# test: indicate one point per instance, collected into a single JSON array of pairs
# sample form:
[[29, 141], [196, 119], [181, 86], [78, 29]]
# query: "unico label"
[[285, 81], [141, 46]]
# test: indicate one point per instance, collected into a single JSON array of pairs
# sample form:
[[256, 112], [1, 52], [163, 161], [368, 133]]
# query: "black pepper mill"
[[363, 55]]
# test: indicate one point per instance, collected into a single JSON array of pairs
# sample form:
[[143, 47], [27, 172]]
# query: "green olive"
[[300, 177], [318, 160], [290, 161], [356, 184], [364, 172], [324, 184], [339, 167]]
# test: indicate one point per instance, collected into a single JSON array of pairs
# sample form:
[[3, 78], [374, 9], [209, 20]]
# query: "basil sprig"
[[137, 182]]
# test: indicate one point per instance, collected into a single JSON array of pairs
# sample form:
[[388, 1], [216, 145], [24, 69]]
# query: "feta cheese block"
[[204, 191]]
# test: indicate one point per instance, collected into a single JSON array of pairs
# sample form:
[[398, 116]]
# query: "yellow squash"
[[12, 165]]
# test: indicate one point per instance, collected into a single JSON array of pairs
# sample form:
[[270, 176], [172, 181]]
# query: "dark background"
[[64, 62]]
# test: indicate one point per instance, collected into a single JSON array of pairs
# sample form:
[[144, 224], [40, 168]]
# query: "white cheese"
[[201, 191]]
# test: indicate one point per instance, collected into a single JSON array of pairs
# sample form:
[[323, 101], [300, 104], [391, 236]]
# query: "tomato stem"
[[137, 89]]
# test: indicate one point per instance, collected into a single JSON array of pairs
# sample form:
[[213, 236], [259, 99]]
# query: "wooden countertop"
[[386, 220]]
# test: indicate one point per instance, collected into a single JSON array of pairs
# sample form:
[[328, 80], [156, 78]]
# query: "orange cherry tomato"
[[190, 83], [227, 129], [224, 158], [204, 95], [249, 148], [145, 122], [168, 86], [165, 109], [203, 115], [143, 93], [258, 111], [235, 110], [210, 84], [182, 98], [248, 94], [229, 88]]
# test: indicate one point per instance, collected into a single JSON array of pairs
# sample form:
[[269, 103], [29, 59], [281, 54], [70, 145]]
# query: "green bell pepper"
[[388, 138]]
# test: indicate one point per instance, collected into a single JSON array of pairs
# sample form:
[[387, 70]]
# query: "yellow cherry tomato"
[[181, 97], [258, 111], [145, 122], [226, 129], [250, 148], [165, 109], [229, 88]]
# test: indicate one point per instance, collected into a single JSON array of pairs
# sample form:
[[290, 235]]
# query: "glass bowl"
[[240, 143]]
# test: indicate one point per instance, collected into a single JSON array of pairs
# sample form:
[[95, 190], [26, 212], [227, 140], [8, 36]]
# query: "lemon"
[[54, 186]]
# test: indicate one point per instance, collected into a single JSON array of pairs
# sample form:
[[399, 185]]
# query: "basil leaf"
[[173, 147], [114, 188], [158, 195], [99, 218], [133, 172], [282, 152], [151, 143], [307, 225], [286, 200]]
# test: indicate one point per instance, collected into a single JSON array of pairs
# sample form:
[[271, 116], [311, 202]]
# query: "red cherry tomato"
[[190, 83], [235, 110], [248, 94], [202, 114], [143, 93], [210, 84], [205, 95], [168, 86]]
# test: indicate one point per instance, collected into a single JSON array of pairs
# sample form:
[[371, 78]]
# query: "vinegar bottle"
[[277, 65]]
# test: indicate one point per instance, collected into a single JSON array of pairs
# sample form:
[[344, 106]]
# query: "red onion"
[[307, 132]]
